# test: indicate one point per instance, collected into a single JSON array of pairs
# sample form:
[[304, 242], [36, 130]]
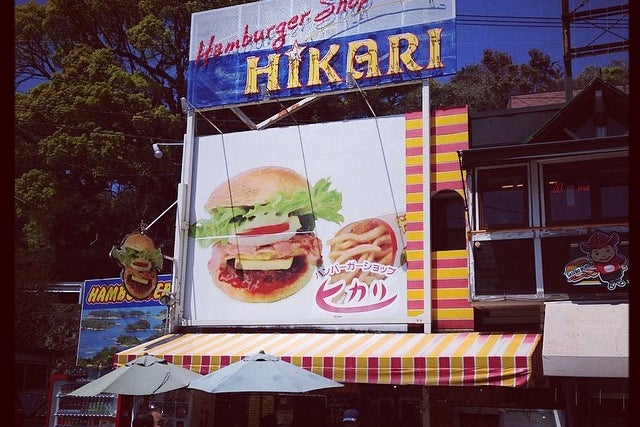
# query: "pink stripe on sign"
[[414, 207], [413, 133], [444, 370], [445, 167], [414, 170], [449, 263], [225, 361], [327, 368], [413, 151], [396, 370], [446, 185], [419, 370], [307, 362], [205, 364], [415, 188], [415, 226], [349, 369], [447, 129], [415, 284], [187, 361], [372, 369], [495, 370], [469, 364], [416, 304], [414, 246], [440, 304], [448, 148], [450, 283]]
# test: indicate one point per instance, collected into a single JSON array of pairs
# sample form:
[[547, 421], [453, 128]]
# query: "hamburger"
[[261, 232], [140, 261]]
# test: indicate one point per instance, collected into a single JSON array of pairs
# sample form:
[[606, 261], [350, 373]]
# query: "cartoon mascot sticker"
[[602, 261]]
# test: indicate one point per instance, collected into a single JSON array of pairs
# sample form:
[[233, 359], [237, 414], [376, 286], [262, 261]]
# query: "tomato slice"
[[266, 229]]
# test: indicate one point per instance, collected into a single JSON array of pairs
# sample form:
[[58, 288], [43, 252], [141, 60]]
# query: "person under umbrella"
[[148, 418]]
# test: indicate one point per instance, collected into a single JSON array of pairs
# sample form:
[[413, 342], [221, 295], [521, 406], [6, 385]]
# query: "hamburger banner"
[[141, 262], [298, 225], [112, 320]]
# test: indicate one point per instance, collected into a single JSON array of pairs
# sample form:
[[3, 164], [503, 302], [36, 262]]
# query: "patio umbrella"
[[261, 373], [145, 375]]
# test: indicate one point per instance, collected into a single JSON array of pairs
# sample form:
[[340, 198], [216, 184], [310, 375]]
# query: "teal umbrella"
[[261, 373], [145, 375]]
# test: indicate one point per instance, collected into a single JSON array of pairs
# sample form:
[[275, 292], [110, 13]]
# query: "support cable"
[[384, 157]]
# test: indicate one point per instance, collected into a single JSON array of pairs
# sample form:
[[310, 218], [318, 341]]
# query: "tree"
[[489, 85], [85, 175], [616, 74]]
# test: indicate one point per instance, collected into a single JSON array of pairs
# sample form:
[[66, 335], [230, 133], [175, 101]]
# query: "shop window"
[[503, 267], [593, 191], [503, 198], [448, 231], [566, 266]]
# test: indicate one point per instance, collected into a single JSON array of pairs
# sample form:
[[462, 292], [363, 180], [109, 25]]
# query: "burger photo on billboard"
[[261, 232], [140, 261]]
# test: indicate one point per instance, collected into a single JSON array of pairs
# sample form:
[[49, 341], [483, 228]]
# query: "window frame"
[[537, 231]]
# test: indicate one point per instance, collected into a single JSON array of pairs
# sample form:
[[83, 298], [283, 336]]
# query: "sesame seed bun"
[[140, 242], [256, 186]]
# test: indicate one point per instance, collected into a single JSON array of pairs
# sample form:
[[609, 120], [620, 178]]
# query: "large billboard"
[[283, 49], [302, 225]]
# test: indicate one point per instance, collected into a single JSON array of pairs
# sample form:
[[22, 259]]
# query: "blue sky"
[[516, 26]]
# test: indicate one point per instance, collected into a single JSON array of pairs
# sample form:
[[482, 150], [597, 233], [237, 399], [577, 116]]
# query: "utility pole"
[[569, 53]]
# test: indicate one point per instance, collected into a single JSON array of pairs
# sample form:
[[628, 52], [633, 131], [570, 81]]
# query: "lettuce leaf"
[[321, 203]]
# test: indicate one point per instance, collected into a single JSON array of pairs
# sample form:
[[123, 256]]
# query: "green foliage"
[[489, 85], [616, 74]]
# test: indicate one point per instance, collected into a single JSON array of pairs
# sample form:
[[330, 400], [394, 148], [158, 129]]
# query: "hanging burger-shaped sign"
[[141, 262]]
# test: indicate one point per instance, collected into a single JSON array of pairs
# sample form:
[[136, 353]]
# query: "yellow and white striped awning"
[[447, 359]]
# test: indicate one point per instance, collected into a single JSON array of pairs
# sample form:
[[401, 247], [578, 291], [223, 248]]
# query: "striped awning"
[[446, 359]]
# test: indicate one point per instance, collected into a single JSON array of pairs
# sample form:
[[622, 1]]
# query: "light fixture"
[[264, 92], [350, 80], [157, 152], [167, 299], [184, 104]]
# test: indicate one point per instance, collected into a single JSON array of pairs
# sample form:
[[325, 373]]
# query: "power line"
[[536, 22]]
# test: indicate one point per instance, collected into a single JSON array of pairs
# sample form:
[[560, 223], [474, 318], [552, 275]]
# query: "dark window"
[[593, 192], [503, 267], [567, 268], [448, 231], [503, 198]]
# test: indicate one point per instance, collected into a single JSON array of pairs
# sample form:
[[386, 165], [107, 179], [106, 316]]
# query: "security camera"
[[167, 299], [157, 152]]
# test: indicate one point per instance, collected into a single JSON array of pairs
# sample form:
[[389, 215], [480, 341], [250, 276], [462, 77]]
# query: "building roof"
[[547, 98], [595, 120]]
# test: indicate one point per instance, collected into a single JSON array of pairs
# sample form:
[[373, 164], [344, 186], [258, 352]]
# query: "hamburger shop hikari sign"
[[295, 48]]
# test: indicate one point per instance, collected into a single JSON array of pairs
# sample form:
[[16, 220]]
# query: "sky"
[[517, 26]]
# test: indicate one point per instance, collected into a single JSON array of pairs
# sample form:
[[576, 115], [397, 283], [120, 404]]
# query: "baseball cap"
[[351, 415]]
